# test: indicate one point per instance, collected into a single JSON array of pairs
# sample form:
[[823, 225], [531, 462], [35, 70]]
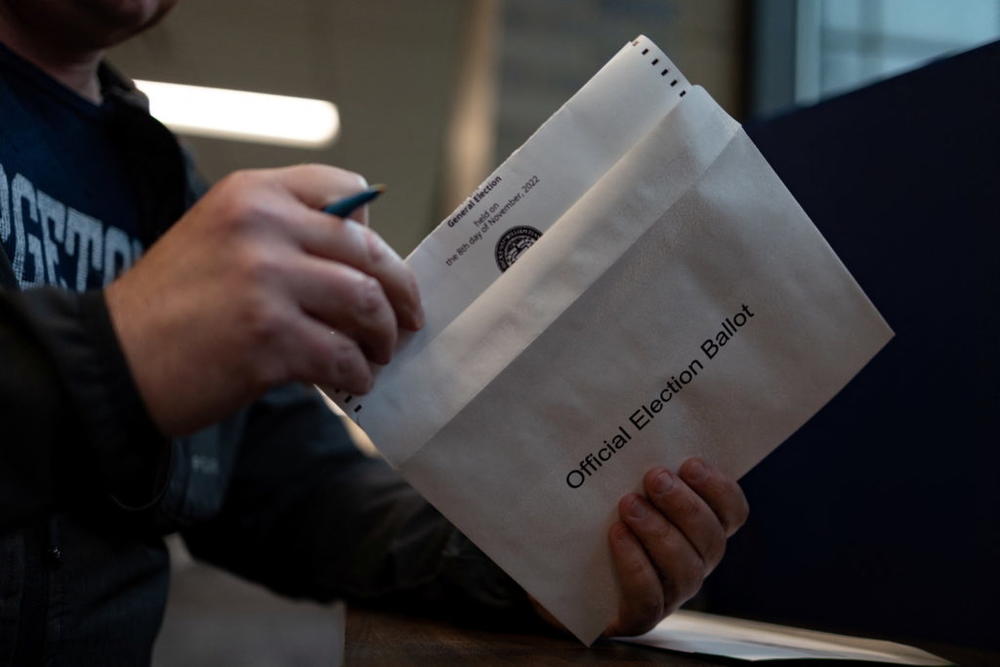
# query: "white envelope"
[[675, 301]]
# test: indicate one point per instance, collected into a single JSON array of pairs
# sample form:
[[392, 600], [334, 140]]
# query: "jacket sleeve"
[[309, 515], [67, 396]]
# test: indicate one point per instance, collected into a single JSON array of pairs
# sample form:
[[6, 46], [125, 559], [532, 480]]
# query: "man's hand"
[[246, 291], [669, 540]]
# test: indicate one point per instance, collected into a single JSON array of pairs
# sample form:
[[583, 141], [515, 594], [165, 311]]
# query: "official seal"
[[514, 242]]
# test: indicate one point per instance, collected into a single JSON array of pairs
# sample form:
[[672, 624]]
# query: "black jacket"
[[276, 493]]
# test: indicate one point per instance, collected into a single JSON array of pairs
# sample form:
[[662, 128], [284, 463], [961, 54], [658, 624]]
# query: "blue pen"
[[344, 207]]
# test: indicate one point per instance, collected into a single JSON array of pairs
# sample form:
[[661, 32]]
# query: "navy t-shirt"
[[70, 206]]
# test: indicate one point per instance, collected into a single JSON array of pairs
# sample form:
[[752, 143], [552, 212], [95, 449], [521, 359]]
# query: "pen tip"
[[378, 187]]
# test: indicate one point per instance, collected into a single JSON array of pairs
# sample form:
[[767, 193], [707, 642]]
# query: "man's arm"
[[308, 515], [67, 396], [240, 295]]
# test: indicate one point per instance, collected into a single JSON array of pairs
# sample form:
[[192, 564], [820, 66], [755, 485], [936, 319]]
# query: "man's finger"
[[317, 185], [688, 512], [348, 301], [642, 603], [351, 243], [681, 568], [722, 493], [328, 358]]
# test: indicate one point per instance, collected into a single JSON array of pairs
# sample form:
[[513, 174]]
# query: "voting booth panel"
[[882, 514]]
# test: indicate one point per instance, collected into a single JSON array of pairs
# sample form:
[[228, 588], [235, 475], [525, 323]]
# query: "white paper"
[[567, 155], [694, 632], [679, 304]]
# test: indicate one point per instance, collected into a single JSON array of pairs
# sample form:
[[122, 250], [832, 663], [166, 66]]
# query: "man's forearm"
[[65, 385]]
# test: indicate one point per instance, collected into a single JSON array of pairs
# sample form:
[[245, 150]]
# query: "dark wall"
[[882, 514]]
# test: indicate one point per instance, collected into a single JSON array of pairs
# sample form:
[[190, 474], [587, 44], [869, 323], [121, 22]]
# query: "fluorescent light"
[[242, 115]]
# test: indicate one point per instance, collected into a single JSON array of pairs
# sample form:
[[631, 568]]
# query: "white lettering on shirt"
[[43, 227]]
